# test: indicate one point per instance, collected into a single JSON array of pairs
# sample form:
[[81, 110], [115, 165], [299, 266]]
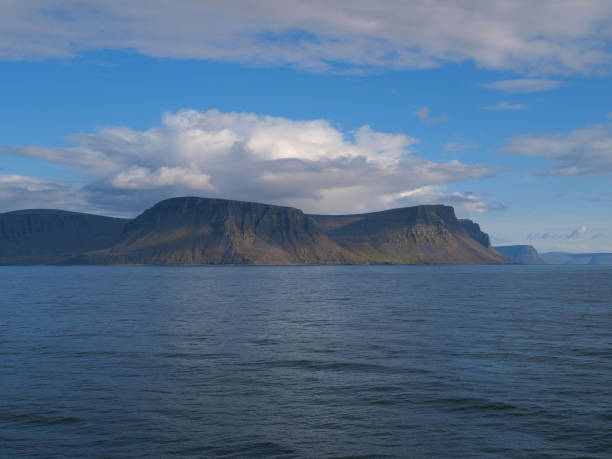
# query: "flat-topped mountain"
[[563, 258], [197, 231], [521, 254], [43, 236], [410, 235], [528, 255]]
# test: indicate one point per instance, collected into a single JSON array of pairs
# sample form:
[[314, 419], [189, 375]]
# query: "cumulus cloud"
[[22, 192], [505, 106], [524, 85], [465, 203], [142, 178], [574, 234], [309, 164], [522, 35], [424, 114], [585, 151]]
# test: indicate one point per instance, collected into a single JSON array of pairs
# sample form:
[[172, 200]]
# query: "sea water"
[[313, 361]]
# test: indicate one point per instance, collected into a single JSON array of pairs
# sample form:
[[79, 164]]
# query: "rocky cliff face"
[[521, 254], [473, 229], [50, 236], [421, 234], [196, 231]]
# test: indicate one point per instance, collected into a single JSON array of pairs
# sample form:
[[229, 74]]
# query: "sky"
[[502, 109]]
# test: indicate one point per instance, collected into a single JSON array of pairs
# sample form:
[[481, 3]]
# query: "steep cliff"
[[521, 254], [197, 231], [409, 235], [42, 236], [473, 229]]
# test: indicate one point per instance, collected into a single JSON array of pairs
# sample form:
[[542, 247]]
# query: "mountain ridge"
[[198, 231], [48, 236], [566, 258]]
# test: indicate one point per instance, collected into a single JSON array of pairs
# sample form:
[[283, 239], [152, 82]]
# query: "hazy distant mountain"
[[562, 258], [521, 254], [195, 231], [51, 236], [528, 255]]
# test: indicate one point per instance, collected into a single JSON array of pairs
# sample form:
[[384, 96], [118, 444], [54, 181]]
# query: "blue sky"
[[493, 108]]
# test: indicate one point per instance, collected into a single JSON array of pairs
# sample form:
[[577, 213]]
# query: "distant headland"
[[202, 231], [528, 255]]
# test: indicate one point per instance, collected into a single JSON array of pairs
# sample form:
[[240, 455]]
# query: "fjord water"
[[381, 361]]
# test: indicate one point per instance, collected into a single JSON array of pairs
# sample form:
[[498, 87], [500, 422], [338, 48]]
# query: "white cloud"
[[308, 164], [609, 116], [524, 85], [377, 145], [142, 178], [22, 192], [505, 106], [574, 234], [531, 37], [465, 204], [424, 114], [586, 151], [577, 232], [456, 147]]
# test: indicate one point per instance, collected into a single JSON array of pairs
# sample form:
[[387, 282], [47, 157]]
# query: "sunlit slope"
[[421, 234]]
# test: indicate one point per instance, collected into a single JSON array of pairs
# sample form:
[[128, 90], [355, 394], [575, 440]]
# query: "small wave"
[[37, 419], [454, 404]]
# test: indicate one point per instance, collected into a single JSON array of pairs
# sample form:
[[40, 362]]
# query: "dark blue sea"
[[329, 361]]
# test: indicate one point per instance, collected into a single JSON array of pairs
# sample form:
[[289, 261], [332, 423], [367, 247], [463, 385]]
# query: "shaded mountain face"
[[521, 254], [473, 229], [196, 231], [562, 258], [50, 236]]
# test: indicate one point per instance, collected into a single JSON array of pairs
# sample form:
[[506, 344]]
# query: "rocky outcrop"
[[521, 254], [473, 229]]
